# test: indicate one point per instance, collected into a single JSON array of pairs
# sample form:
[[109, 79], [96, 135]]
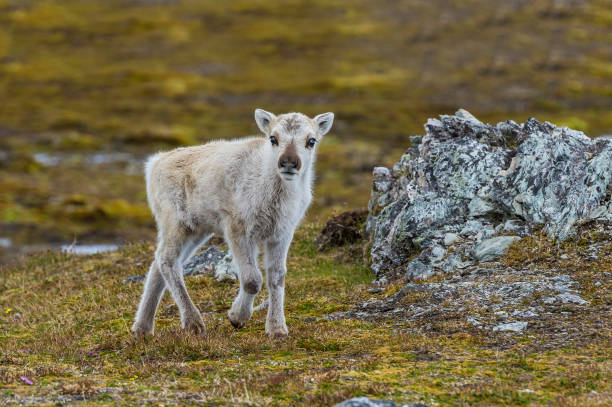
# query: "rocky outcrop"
[[556, 292], [466, 190]]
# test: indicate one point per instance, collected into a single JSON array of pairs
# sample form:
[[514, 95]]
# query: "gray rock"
[[516, 327], [204, 262], [450, 238], [566, 298], [471, 227], [135, 279], [501, 314], [224, 269], [511, 226], [212, 261], [366, 402], [420, 268], [524, 314], [474, 322], [479, 207], [472, 179], [493, 248]]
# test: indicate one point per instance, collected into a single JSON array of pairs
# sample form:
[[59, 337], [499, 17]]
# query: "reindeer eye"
[[273, 140], [311, 142]]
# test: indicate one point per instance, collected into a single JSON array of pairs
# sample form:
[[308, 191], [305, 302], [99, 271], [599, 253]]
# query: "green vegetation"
[[65, 324]]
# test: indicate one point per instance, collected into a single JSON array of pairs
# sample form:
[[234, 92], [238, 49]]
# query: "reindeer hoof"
[[278, 334], [236, 325], [238, 317], [194, 325], [140, 331]]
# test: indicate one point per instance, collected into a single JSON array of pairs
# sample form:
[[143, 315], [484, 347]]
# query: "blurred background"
[[88, 89]]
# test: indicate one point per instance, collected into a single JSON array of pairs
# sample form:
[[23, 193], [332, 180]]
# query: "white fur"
[[252, 192]]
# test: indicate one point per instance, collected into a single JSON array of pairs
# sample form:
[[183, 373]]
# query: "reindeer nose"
[[289, 159], [289, 162]]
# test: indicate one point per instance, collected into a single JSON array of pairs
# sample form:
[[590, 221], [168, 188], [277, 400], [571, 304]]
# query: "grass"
[[68, 332]]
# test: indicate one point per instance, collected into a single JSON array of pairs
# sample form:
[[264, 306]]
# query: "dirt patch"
[[342, 229]]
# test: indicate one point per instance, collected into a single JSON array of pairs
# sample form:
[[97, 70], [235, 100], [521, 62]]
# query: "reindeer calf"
[[252, 191]]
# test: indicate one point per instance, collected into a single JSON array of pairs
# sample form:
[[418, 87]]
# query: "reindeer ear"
[[264, 120], [324, 122]]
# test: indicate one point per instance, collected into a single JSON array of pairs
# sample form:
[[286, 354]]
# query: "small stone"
[[516, 327], [450, 238], [382, 281], [437, 252], [474, 322], [564, 256], [511, 226], [494, 247], [134, 279], [549, 300], [524, 314], [566, 298], [597, 284]]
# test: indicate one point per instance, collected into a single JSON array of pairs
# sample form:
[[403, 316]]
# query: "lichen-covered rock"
[[204, 262], [211, 261], [494, 247], [465, 182], [516, 327]]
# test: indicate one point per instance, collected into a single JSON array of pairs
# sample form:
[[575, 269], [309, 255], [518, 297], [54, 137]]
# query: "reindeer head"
[[293, 139]]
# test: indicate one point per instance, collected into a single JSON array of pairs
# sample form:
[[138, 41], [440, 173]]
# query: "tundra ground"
[[65, 322]]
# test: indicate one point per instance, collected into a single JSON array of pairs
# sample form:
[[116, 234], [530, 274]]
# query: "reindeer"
[[252, 191]]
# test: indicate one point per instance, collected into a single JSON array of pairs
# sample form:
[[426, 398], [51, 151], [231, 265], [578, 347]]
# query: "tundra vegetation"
[[68, 332], [89, 89]]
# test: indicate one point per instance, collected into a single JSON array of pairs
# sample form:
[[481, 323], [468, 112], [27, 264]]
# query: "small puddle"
[[5, 242], [109, 158], [48, 160], [83, 249], [132, 164]]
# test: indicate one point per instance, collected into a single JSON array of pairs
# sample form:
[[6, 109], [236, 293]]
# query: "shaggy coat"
[[253, 192]]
